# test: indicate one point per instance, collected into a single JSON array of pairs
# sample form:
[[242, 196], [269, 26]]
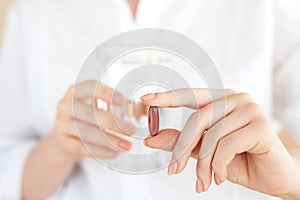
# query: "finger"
[[203, 175], [164, 140], [96, 117], [240, 141], [191, 98], [236, 120], [96, 90], [137, 110], [186, 142], [252, 139], [101, 152], [197, 124], [78, 150], [203, 168], [92, 135]]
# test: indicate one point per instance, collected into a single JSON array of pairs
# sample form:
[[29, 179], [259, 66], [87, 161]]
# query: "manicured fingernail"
[[199, 186], [125, 145], [217, 180], [148, 96], [172, 168], [180, 166], [118, 98]]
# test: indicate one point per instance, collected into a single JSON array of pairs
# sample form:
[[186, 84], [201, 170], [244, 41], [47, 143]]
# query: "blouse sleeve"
[[286, 81], [16, 135]]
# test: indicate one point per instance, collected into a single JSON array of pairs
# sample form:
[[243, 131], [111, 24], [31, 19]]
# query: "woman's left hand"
[[229, 135]]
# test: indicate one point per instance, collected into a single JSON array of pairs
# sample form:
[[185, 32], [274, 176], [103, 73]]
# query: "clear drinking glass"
[[140, 62]]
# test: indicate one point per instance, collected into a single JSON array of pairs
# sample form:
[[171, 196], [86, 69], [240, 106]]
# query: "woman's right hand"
[[55, 155], [81, 127]]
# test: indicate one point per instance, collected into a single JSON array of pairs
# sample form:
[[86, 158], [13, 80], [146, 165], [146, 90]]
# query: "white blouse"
[[254, 44]]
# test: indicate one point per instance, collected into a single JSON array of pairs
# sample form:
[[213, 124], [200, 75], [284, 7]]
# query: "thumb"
[[164, 140]]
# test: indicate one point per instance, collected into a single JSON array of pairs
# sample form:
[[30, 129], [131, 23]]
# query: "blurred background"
[[4, 8], [4, 5]]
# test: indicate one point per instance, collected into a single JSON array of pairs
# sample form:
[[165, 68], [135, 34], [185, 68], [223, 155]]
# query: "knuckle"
[[204, 173], [244, 97], [62, 106], [224, 144], [253, 108], [261, 126], [203, 165], [195, 116], [229, 92], [209, 116], [202, 122]]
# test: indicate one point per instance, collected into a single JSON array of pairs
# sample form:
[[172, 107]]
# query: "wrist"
[[47, 162], [294, 192], [56, 152]]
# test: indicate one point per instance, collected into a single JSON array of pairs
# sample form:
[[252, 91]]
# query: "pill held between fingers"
[[153, 120]]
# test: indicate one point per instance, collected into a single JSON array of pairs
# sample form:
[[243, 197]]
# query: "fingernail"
[[125, 145], [148, 96], [179, 166], [199, 186], [172, 168], [118, 98], [217, 180]]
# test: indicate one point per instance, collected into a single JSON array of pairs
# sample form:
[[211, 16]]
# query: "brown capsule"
[[153, 120]]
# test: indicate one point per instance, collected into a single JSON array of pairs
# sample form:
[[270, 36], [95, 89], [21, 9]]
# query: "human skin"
[[133, 5], [55, 155], [247, 151]]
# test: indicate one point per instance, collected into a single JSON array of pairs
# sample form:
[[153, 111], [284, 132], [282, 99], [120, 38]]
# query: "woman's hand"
[[229, 135], [90, 125], [55, 155]]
